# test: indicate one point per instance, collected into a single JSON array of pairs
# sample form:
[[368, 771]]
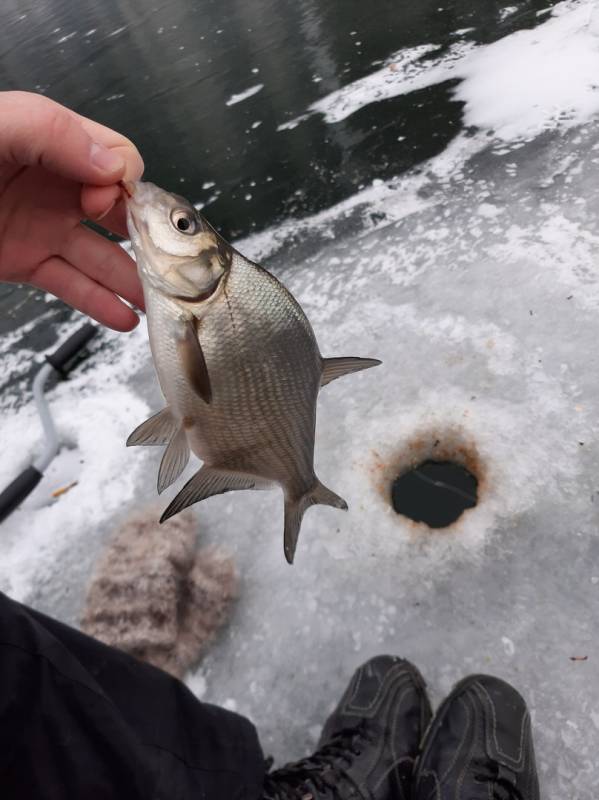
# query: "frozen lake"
[[474, 277]]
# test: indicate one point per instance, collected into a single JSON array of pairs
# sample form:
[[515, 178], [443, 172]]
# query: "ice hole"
[[434, 492]]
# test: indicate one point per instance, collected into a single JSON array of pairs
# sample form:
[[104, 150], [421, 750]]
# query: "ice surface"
[[517, 87], [475, 280], [37, 534], [521, 85], [405, 71]]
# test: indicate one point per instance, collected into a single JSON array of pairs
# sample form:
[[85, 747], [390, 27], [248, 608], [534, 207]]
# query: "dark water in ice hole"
[[435, 493]]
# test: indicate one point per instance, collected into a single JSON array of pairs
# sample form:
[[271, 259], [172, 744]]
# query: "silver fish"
[[236, 359]]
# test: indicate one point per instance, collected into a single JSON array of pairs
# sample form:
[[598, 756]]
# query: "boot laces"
[[320, 774], [503, 787]]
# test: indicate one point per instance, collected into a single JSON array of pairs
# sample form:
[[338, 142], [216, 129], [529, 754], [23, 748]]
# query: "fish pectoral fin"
[[333, 368], [207, 482], [159, 429], [194, 363], [295, 509], [174, 460]]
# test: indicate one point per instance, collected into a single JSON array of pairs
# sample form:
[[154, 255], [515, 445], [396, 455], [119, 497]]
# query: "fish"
[[236, 359]]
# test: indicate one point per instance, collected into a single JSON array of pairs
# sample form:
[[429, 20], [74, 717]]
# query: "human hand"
[[57, 168]]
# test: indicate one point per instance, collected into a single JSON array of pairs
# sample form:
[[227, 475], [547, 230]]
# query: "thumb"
[[36, 131]]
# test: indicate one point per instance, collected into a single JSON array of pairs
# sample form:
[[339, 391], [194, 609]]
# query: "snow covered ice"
[[475, 279]]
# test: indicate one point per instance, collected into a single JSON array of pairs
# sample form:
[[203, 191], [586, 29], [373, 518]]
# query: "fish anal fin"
[[158, 429], [333, 368], [174, 460], [295, 509], [194, 363], [209, 481]]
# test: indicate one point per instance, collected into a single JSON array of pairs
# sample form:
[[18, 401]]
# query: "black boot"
[[369, 743], [479, 746]]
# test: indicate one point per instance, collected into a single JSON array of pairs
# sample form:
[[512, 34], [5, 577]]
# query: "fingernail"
[[105, 213], [105, 159]]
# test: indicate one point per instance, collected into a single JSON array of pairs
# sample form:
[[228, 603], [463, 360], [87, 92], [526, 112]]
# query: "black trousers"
[[83, 721]]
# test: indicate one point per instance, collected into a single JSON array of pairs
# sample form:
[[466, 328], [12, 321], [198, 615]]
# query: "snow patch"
[[239, 98], [535, 80], [92, 455], [525, 83]]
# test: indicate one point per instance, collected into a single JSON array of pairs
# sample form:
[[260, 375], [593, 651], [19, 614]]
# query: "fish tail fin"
[[320, 495], [295, 507]]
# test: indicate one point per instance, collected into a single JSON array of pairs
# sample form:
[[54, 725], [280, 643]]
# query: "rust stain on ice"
[[429, 444]]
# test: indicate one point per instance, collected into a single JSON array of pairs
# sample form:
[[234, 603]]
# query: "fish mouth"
[[131, 197], [131, 221], [128, 187]]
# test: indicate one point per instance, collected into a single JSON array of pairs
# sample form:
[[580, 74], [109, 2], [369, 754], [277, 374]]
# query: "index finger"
[[36, 131], [115, 141]]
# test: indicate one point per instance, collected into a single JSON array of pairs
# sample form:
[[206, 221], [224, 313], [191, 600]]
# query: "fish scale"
[[237, 362], [268, 400]]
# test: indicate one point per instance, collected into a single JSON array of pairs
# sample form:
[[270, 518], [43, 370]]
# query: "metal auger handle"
[[69, 349], [18, 490], [25, 483]]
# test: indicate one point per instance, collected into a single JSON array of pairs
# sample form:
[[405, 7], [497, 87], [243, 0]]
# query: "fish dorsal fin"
[[333, 368], [207, 482], [174, 460], [158, 429], [194, 363]]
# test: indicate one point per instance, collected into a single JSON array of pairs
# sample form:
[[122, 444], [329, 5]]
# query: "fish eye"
[[184, 221]]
